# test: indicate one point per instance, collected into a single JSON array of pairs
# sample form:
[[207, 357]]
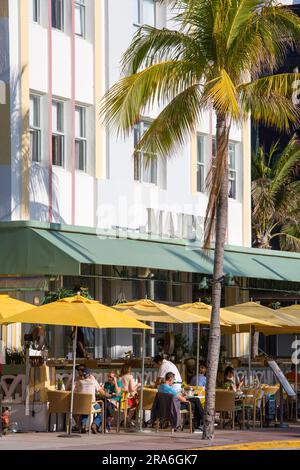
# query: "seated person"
[[167, 387], [201, 377], [129, 383], [130, 386], [230, 382], [291, 376], [112, 392], [164, 367], [113, 388], [88, 384]]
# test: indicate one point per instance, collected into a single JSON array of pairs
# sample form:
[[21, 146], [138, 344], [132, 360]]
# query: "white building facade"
[[60, 165]]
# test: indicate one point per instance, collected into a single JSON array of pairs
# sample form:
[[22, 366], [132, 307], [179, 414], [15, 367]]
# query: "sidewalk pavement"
[[150, 440]]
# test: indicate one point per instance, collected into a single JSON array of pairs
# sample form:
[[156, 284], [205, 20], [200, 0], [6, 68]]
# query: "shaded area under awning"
[[32, 248]]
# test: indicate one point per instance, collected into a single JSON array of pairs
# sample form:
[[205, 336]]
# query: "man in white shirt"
[[88, 384], [164, 367]]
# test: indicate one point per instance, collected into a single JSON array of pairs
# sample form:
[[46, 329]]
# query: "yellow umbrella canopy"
[[202, 311], [289, 317], [252, 313], [147, 310], [230, 320], [10, 306], [291, 310], [77, 311]]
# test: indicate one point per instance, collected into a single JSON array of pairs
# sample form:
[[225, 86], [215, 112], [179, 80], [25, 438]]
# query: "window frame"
[[36, 11], [232, 176], [140, 168], [81, 6], [201, 163], [140, 20], [59, 133], [36, 129], [232, 171], [62, 15], [81, 139]]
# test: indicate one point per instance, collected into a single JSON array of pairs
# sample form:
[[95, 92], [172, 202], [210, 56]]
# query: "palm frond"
[[152, 45], [223, 95], [124, 103], [174, 125], [244, 11], [287, 165], [269, 99]]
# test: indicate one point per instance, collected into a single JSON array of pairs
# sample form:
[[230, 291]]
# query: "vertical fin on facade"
[[25, 164]]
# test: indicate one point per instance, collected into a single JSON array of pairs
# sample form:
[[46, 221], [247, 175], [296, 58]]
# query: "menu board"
[[282, 379]]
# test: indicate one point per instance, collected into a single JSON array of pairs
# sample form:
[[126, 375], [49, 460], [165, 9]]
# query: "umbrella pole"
[[296, 381], [198, 356], [249, 356], [142, 380], [69, 433], [73, 381], [0, 401]]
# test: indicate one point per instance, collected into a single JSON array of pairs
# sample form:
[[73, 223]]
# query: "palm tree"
[[221, 56], [276, 196]]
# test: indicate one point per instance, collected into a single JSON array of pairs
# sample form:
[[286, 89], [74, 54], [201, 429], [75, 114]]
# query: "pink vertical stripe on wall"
[[50, 110], [73, 114]]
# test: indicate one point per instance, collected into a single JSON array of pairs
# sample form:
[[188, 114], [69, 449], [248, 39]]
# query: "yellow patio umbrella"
[[231, 322], [255, 315], [77, 311], [203, 313], [10, 306], [293, 312], [148, 310]]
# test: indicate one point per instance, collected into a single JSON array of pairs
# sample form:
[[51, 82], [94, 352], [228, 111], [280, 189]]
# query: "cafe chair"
[[225, 404], [83, 405], [189, 414], [149, 395], [59, 403], [254, 405], [166, 408], [122, 408]]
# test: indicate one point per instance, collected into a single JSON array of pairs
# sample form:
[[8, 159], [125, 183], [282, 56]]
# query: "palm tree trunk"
[[220, 238]]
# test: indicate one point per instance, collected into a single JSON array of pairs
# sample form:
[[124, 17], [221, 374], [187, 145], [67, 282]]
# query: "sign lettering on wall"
[[174, 225]]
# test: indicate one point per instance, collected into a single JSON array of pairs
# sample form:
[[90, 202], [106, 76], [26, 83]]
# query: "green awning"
[[42, 249]]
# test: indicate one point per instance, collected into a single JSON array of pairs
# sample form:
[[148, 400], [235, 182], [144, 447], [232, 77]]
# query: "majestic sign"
[[174, 225]]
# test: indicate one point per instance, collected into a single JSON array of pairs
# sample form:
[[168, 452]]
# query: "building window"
[[80, 138], [232, 166], [145, 165], [35, 128], [214, 151], [58, 14], [58, 137], [200, 164], [35, 12], [80, 18], [144, 12], [232, 170]]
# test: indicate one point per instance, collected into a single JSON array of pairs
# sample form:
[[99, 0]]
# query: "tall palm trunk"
[[221, 230]]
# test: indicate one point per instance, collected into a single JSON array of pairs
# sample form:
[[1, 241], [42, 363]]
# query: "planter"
[[13, 369]]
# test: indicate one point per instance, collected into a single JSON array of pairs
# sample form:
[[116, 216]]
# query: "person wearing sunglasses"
[[113, 393]]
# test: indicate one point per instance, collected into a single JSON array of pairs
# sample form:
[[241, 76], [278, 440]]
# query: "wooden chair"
[[148, 400], [225, 403], [83, 405], [253, 403], [123, 408], [189, 413], [59, 403]]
